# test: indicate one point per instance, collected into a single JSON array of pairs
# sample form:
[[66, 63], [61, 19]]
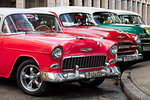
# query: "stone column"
[[105, 4], [59, 2], [78, 2], [118, 4], [134, 9], [145, 13], [20, 3], [88, 3], [97, 3], [51, 3], [148, 14], [139, 8], [112, 4], [129, 5], [124, 4], [66, 2]]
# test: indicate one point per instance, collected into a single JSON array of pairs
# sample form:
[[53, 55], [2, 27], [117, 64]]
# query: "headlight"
[[137, 39], [113, 49], [57, 52]]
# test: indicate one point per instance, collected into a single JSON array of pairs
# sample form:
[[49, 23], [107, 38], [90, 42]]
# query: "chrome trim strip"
[[135, 56], [145, 38], [73, 76], [125, 42], [127, 46], [127, 51], [145, 43]]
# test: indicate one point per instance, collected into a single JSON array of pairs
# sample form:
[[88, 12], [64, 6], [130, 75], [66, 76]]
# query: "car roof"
[[8, 11], [124, 12], [67, 9]]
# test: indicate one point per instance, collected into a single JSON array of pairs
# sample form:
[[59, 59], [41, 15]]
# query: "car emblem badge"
[[121, 37], [86, 49]]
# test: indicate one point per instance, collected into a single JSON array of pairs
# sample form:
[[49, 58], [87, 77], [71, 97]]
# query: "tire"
[[29, 80], [91, 82]]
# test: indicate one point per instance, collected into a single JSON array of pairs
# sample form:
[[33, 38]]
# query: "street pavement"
[[108, 90], [136, 81]]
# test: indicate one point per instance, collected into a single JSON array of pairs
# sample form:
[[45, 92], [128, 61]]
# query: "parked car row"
[[59, 44]]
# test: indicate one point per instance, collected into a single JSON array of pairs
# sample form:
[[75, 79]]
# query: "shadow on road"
[[66, 91]]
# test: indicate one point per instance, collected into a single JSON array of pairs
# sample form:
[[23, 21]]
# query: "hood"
[[46, 42], [146, 30], [134, 29], [97, 32]]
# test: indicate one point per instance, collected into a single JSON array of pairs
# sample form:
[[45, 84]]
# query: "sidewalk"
[[136, 81]]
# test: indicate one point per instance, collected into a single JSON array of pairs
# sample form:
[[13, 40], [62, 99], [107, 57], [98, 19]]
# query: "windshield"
[[30, 23], [105, 18], [131, 19], [75, 19]]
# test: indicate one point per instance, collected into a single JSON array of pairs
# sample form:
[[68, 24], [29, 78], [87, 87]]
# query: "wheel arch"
[[18, 61]]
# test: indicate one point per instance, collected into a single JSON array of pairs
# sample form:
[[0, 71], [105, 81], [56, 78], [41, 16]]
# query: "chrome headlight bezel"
[[137, 39], [57, 52], [114, 49]]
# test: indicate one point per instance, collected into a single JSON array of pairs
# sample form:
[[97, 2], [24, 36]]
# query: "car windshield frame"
[[66, 15], [114, 19], [26, 21], [140, 20]]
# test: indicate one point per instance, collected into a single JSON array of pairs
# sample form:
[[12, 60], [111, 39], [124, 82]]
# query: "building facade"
[[140, 6]]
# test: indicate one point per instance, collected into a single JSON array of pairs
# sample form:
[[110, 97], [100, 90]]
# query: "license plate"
[[130, 58], [146, 48], [93, 74]]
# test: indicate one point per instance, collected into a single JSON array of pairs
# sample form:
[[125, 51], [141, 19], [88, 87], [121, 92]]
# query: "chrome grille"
[[126, 48], [145, 41], [89, 61]]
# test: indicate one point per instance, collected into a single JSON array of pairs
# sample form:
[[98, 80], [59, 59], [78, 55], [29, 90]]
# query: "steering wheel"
[[43, 26]]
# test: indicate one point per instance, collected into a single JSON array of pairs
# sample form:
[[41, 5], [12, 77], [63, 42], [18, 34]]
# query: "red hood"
[[97, 32], [46, 42]]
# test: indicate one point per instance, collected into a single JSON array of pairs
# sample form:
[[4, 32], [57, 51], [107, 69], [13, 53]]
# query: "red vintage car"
[[35, 51], [78, 22]]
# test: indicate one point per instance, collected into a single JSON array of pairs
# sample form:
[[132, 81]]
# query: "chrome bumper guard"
[[70, 76], [132, 57]]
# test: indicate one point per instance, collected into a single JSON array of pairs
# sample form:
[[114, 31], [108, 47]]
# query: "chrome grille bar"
[[87, 61], [126, 47]]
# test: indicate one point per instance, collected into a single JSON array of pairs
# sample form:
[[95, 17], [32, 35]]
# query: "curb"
[[130, 89]]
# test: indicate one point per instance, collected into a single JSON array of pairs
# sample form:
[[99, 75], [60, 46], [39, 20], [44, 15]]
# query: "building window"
[[71, 2], [101, 3], [7, 3], [82, 2], [93, 3], [35, 3]]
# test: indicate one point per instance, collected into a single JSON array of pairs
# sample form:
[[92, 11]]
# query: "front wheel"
[[29, 80], [91, 82]]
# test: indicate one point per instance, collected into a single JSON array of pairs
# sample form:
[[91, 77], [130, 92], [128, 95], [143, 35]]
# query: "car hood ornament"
[[121, 37], [86, 49]]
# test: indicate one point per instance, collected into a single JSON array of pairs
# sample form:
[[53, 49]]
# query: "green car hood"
[[139, 30], [147, 29]]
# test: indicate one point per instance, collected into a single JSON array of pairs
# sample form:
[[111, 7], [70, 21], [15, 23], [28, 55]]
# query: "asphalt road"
[[108, 90]]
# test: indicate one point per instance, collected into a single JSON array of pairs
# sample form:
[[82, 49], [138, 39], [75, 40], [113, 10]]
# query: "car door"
[[1, 41]]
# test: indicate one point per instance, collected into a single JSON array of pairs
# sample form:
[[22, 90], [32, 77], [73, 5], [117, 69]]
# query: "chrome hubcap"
[[30, 78]]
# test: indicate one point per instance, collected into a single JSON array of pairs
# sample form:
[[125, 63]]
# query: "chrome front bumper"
[[70, 76], [132, 57]]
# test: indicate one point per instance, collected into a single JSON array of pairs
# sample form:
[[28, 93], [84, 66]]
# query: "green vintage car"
[[110, 19]]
